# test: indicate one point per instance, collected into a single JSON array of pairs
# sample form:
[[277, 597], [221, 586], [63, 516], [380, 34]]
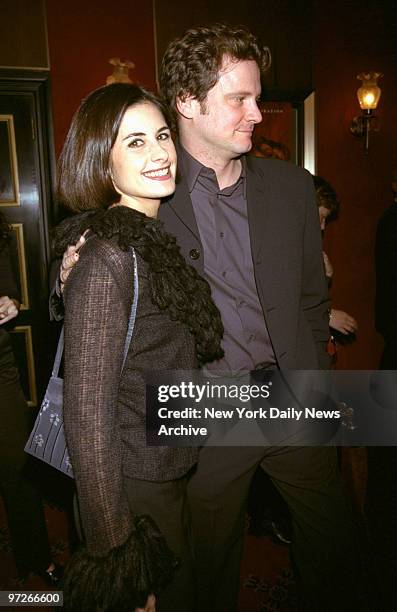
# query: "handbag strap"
[[58, 355], [130, 329], [134, 306]]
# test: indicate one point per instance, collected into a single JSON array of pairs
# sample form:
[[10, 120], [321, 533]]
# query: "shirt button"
[[221, 235], [194, 254], [251, 337]]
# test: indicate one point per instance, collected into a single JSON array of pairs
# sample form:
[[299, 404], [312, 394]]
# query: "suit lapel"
[[258, 202], [181, 204]]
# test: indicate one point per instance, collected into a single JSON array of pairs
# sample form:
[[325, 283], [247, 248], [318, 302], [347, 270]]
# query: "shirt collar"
[[191, 168]]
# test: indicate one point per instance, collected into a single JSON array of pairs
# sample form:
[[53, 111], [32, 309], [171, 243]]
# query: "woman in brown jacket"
[[117, 163]]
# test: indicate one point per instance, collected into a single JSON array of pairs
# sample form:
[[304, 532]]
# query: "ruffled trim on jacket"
[[175, 286], [124, 578]]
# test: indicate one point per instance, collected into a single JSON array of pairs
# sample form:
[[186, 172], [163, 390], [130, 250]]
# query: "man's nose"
[[254, 114]]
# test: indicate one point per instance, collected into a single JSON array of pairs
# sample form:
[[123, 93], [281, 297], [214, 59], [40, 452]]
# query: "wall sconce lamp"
[[120, 71], [368, 96]]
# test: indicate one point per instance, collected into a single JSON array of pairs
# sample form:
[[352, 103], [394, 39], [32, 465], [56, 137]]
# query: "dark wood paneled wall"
[[23, 41]]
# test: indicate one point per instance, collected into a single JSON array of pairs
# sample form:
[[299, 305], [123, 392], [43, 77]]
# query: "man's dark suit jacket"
[[287, 255]]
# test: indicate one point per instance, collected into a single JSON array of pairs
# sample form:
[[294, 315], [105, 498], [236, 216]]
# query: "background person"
[[328, 210], [270, 149], [25, 515]]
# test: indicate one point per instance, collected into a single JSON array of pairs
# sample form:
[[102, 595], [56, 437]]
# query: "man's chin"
[[241, 148]]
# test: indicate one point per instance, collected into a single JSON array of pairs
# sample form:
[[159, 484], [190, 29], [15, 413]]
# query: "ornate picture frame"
[[9, 183], [20, 264]]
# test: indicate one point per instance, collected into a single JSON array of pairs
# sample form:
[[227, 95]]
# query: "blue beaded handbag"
[[47, 440]]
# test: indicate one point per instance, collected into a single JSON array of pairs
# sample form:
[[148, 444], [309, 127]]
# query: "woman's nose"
[[159, 152]]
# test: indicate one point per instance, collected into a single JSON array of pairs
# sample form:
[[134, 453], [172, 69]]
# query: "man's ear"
[[186, 106]]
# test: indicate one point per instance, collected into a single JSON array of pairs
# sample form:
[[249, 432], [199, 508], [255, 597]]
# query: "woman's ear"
[[111, 177]]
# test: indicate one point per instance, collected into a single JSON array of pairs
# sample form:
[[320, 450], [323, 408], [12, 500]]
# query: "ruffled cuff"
[[125, 577]]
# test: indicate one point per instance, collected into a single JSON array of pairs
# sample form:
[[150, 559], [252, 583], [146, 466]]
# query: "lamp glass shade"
[[369, 92]]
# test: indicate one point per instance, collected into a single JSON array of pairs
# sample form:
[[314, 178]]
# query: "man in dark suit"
[[251, 227]]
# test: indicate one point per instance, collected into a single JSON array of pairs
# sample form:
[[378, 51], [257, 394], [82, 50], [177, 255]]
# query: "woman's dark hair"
[[84, 180], [326, 196], [191, 64], [5, 231]]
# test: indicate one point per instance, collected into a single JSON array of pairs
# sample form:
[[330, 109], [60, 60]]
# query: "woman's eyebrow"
[[164, 127], [134, 134]]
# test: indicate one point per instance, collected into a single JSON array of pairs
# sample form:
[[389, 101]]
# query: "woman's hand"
[[342, 322], [150, 605], [69, 259], [9, 309]]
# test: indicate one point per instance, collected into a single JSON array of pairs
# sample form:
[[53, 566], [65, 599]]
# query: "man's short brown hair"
[[191, 64]]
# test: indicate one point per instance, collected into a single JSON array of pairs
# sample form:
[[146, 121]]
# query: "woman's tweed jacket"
[[105, 413]]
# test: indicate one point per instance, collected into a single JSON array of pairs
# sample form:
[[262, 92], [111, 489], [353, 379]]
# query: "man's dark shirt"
[[222, 220]]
